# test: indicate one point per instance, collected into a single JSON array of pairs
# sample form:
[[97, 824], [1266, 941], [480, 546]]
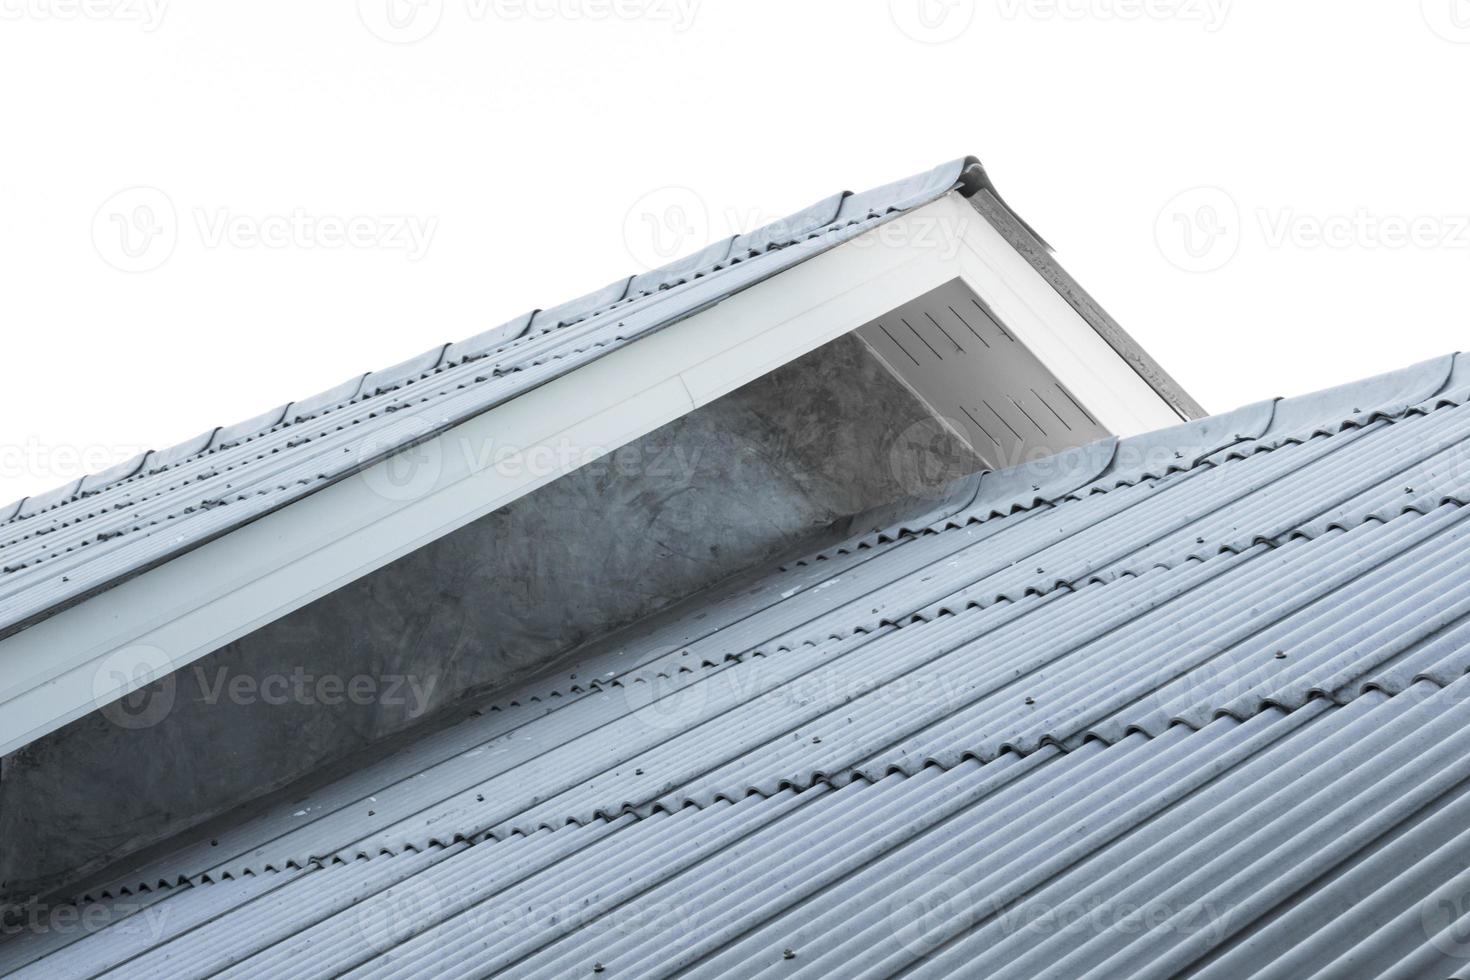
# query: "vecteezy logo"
[[135, 230], [1444, 915], [932, 21], [401, 462], [1450, 19], [400, 21], [926, 457], [665, 224], [134, 687], [923, 913], [1199, 229], [398, 914], [666, 704]]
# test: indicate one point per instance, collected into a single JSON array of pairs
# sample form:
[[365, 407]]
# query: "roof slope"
[[1194, 701], [60, 547]]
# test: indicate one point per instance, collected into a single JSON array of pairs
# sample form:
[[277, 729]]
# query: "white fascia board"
[[99, 650]]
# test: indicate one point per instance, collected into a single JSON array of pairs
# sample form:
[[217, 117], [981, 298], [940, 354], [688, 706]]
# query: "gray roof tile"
[[574, 311], [792, 228], [407, 372], [487, 342]]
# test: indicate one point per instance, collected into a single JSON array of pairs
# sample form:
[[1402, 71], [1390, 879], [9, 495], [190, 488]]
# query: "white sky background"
[[507, 159]]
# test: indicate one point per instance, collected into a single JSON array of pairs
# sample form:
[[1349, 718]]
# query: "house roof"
[[1194, 700], [63, 546]]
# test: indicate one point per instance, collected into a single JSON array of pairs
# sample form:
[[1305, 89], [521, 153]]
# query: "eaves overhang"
[[128, 575]]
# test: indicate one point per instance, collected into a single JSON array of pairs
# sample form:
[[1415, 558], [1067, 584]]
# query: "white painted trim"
[[1041, 318], [88, 655]]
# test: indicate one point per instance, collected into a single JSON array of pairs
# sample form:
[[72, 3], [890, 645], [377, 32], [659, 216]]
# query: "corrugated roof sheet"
[[1194, 702], [59, 547]]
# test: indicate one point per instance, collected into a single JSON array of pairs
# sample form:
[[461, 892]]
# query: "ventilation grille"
[[950, 349]]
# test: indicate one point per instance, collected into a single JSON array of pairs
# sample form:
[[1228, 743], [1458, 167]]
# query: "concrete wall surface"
[[741, 480]]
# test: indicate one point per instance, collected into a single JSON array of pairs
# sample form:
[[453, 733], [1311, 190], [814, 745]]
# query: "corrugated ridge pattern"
[[1141, 642], [1326, 841]]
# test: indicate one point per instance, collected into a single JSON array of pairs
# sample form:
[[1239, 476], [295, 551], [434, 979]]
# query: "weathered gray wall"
[[732, 484]]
